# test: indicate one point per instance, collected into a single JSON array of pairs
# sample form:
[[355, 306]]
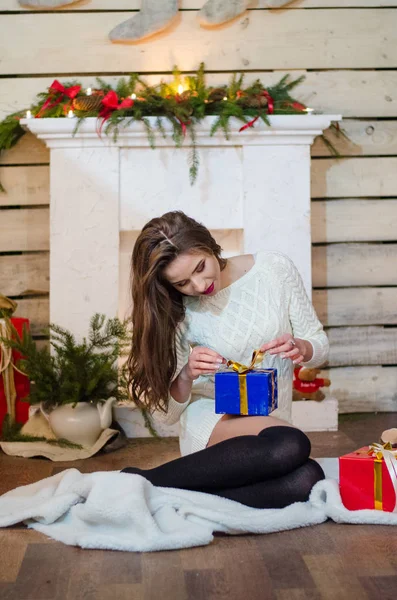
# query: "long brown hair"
[[157, 306]]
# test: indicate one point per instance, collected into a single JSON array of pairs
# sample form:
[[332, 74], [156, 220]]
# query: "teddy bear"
[[306, 384]]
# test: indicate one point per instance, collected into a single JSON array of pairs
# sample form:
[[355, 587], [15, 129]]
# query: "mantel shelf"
[[283, 130]]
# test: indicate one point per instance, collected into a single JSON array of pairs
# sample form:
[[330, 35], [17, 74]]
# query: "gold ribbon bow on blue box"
[[245, 389]]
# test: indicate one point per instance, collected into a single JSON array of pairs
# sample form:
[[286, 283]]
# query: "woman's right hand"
[[202, 361]]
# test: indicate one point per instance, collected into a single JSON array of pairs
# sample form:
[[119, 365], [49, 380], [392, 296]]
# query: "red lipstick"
[[210, 289]]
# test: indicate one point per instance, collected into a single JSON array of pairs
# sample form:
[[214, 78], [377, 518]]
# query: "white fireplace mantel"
[[257, 182]]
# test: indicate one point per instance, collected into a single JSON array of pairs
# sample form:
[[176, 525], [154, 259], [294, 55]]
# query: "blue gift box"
[[252, 393]]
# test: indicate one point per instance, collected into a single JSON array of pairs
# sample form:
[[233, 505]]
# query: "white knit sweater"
[[264, 303]]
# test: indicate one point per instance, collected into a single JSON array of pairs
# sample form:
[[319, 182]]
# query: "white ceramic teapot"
[[80, 423]]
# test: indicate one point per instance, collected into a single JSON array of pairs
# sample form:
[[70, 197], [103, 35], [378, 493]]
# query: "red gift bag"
[[368, 478], [22, 383]]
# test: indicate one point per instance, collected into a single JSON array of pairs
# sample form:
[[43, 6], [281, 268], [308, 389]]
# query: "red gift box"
[[368, 480], [22, 383]]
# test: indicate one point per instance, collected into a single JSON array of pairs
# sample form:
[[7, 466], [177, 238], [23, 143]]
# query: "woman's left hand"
[[288, 347]]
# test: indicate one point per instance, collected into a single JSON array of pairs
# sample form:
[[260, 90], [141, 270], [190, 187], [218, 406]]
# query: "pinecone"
[[188, 94], [256, 101], [216, 95], [88, 103]]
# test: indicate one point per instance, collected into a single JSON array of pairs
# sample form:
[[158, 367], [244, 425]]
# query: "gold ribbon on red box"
[[7, 366], [380, 453]]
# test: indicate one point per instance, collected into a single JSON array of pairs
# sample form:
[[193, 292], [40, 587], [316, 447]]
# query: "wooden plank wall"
[[348, 51]]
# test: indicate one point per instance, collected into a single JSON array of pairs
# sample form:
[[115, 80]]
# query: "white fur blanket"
[[119, 511]]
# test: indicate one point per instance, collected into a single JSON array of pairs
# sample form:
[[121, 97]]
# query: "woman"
[[192, 311]]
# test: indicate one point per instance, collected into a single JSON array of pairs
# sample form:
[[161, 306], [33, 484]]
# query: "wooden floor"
[[328, 561]]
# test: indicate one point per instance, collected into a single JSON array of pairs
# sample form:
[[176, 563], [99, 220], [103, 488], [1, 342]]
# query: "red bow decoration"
[[111, 103], [57, 89], [270, 110]]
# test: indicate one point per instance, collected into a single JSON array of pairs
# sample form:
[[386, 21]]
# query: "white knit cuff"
[[316, 359], [175, 409]]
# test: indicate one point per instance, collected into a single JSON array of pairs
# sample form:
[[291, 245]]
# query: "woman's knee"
[[289, 442]]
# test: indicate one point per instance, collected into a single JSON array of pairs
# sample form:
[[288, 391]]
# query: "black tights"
[[268, 470]]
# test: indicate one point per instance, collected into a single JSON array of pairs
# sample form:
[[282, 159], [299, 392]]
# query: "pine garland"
[[134, 100]]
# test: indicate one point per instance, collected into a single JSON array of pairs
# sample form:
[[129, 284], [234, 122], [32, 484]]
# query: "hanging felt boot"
[[276, 3], [217, 12], [153, 17], [46, 3]]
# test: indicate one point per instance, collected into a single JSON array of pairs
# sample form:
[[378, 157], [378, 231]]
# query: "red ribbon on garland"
[[180, 99], [270, 102], [298, 106], [183, 125], [270, 110], [250, 124], [57, 88], [111, 103]]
